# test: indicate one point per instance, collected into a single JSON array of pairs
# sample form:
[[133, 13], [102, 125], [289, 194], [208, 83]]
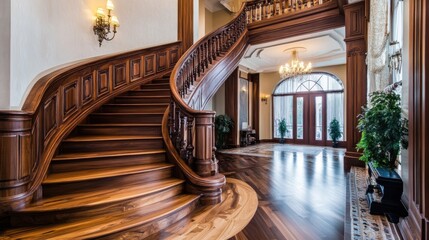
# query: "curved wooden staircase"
[[110, 177]]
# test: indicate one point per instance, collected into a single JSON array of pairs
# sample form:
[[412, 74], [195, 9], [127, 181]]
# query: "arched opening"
[[308, 103]]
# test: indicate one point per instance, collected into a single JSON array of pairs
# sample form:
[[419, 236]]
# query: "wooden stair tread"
[[103, 225], [136, 104], [91, 138], [138, 96], [110, 194], [120, 125], [125, 113], [105, 154], [92, 174]]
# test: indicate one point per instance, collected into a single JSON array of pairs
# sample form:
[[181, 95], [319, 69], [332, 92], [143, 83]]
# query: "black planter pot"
[[335, 144], [390, 186]]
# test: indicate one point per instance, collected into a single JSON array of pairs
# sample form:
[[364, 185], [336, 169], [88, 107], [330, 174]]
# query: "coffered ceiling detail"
[[325, 48]]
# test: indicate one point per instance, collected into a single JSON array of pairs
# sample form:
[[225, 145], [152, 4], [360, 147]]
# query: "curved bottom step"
[[121, 225], [220, 221]]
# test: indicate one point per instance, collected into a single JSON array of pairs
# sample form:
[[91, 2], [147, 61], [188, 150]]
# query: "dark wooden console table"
[[390, 188]]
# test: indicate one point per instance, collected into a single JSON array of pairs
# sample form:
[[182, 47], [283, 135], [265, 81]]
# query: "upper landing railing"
[[260, 10]]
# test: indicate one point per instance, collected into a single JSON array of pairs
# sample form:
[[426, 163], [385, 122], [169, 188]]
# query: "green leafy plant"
[[223, 126], [335, 131], [282, 129], [383, 130]]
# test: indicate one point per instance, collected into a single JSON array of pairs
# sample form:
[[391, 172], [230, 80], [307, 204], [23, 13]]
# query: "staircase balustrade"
[[191, 129], [260, 10]]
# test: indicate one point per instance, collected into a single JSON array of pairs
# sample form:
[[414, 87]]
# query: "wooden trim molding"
[[231, 106], [185, 23], [416, 225], [256, 101], [56, 104], [356, 87]]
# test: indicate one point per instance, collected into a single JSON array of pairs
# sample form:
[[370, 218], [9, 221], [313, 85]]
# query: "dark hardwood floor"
[[301, 190]]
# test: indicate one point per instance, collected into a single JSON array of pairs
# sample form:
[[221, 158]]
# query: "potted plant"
[[223, 125], [383, 132], [335, 131], [282, 129]]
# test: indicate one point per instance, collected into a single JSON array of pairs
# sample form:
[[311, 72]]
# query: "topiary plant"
[[282, 129], [335, 131]]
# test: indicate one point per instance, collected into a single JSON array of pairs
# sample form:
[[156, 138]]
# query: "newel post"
[[205, 163]]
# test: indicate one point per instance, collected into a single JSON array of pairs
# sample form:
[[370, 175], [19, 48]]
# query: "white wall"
[[49, 33], [4, 53]]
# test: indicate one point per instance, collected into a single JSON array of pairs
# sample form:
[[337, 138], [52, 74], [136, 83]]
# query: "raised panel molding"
[[87, 93], [70, 101], [103, 82], [50, 116], [149, 65], [161, 61], [174, 57], [120, 76], [135, 69]]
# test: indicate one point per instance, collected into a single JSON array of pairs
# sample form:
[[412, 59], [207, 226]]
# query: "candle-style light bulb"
[[115, 21], [100, 12], [110, 5]]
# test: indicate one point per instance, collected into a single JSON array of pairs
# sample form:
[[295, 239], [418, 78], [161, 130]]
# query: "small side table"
[[247, 137]]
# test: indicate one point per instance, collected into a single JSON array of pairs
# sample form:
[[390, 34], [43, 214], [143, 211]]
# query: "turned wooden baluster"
[[190, 148], [182, 137]]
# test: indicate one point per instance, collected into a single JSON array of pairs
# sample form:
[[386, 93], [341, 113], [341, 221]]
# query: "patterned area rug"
[[364, 225]]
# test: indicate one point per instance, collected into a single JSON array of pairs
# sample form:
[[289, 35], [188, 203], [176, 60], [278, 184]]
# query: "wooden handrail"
[[194, 80], [57, 103]]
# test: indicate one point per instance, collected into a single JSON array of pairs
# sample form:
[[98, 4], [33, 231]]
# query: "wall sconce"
[[103, 24], [264, 99]]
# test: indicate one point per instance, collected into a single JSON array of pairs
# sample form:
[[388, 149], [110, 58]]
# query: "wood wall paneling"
[[356, 87], [416, 224], [87, 92], [120, 75], [149, 65], [50, 116], [162, 61], [135, 69], [103, 81], [174, 57], [70, 102]]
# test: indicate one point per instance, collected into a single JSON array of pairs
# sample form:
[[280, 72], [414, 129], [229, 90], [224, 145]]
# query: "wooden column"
[[416, 225], [231, 106], [185, 23], [256, 98], [16, 157], [356, 87], [205, 162]]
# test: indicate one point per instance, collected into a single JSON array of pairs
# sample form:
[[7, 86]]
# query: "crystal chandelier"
[[294, 67]]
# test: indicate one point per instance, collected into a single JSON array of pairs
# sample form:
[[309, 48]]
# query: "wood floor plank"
[[301, 190]]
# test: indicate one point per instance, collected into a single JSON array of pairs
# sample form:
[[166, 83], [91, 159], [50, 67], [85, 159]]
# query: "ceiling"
[[213, 5], [325, 48]]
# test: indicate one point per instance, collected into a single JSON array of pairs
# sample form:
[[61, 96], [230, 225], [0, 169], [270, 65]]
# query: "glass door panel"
[[317, 124], [300, 118], [284, 110], [318, 134]]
